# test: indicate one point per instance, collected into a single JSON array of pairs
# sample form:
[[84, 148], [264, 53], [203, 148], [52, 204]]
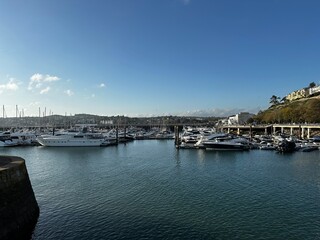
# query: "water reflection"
[[177, 158], [201, 156], [222, 156]]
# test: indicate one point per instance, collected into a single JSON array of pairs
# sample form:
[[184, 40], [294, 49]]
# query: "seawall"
[[19, 210]]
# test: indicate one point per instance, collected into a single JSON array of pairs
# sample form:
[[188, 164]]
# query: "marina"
[[177, 119], [83, 135], [149, 189], [135, 182]]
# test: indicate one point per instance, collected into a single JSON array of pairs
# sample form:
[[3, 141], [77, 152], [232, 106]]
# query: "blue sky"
[[155, 57]]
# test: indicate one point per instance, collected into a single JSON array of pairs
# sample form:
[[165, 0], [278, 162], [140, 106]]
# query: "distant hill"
[[299, 111]]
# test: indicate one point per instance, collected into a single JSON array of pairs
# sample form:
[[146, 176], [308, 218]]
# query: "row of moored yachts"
[[210, 140], [206, 138], [83, 137]]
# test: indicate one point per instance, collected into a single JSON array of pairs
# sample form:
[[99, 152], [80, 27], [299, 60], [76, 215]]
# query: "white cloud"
[[45, 90], [12, 85], [93, 95], [34, 103], [217, 112], [49, 78], [102, 85], [185, 2], [69, 92], [37, 80], [37, 77]]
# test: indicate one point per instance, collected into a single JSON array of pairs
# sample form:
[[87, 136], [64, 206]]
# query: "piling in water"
[[176, 137]]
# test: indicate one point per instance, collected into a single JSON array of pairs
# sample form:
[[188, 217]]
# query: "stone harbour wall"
[[19, 210]]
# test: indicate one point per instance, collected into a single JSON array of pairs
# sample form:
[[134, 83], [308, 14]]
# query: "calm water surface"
[[150, 190]]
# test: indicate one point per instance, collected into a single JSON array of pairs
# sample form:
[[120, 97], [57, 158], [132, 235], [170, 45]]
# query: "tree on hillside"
[[311, 85], [274, 100], [294, 112], [312, 109]]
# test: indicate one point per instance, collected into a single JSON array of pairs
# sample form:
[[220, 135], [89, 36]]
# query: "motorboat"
[[307, 147], [73, 139], [267, 146], [7, 143], [286, 146], [164, 134], [224, 142], [24, 138], [5, 140]]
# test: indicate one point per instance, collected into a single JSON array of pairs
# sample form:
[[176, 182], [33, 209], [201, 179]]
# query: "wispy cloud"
[[93, 95], [45, 90], [34, 103], [102, 85], [69, 92], [185, 2], [217, 112], [37, 80], [11, 85]]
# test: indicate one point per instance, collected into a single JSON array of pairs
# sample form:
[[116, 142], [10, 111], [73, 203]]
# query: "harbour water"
[[150, 190]]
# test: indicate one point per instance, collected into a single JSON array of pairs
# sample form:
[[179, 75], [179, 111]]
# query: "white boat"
[[211, 137], [5, 139], [24, 138], [224, 142], [165, 134], [7, 143], [307, 147], [267, 146], [72, 140]]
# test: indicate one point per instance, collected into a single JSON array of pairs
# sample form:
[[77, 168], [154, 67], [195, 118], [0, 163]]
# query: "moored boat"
[[5, 140], [224, 142], [7, 143], [307, 147], [267, 146], [72, 140], [286, 146]]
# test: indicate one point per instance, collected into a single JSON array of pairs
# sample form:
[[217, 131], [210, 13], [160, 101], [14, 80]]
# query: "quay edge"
[[19, 210]]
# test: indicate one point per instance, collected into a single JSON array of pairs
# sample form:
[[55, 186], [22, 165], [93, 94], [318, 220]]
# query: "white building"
[[240, 118], [303, 93], [314, 90]]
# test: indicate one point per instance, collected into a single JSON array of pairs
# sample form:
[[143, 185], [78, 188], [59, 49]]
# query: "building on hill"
[[303, 93], [298, 94], [314, 91]]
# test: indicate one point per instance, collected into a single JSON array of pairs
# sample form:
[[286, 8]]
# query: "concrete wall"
[[19, 210]]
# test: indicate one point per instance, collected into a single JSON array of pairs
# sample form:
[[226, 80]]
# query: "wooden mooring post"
[[176, 137], [117, 134]]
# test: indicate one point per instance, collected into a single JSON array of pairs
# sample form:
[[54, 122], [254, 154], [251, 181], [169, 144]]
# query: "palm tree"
[[274, 100], [311, 85]]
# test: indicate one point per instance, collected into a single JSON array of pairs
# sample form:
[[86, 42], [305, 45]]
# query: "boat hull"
[[225, 147], [7, 143], [70, 142]]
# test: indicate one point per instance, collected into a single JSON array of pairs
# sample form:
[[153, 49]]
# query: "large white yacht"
[[72, 139], [223, 142]]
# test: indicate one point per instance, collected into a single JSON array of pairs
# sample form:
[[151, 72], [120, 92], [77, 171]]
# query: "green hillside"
[[305, 110]]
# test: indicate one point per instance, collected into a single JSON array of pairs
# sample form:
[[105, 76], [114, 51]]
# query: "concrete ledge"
[[19, 210]]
